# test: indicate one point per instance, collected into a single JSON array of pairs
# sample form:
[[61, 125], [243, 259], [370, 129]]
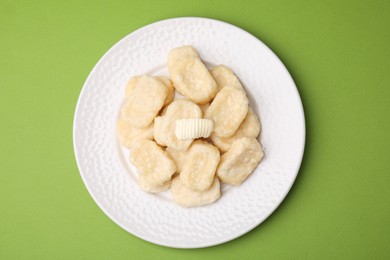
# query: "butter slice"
[[190, 128]]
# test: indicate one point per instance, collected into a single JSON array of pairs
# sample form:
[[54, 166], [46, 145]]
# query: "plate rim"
[[200, 245]]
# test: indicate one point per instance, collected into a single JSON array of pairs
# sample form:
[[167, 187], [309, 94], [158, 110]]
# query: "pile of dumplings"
[[191, 168]]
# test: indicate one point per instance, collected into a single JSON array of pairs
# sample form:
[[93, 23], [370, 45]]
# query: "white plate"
[[110, 179]]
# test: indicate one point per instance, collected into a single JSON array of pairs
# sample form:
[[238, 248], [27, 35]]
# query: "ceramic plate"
[[111, 180]]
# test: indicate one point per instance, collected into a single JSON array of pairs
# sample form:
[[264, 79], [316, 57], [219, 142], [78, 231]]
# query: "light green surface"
[[337, 52]]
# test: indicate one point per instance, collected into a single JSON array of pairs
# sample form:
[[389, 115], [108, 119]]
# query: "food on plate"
[[145, 98], [199, 168], [164, 126], [227, 111], [190, 128], [128, 135], [158, 132], [131, 84], [240, 160], [193, 144], [190, 76], [154, 165], [179, 157], [171, 90], [204, 107], [224, 76], [250, 127], [150, 187], [189, 198]]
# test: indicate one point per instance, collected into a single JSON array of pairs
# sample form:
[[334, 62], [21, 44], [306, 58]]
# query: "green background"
[[337, 52]]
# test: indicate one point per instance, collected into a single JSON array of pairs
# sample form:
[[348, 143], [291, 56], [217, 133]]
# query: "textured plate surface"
[[109, 177]]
